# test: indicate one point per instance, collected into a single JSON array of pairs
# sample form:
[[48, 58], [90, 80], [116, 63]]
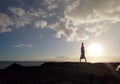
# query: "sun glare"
[[95, 50]]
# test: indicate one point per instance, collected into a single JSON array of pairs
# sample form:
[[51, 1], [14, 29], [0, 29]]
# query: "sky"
[[53, 30]]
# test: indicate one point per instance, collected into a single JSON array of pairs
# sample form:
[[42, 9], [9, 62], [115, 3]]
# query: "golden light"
[[95, 50]]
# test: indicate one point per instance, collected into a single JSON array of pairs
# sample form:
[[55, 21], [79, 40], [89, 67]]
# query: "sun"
[[95, 50]]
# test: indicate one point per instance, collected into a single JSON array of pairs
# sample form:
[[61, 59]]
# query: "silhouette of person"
[[82, 53]]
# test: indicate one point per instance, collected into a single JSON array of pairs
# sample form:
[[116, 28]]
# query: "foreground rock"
[[61, 73]]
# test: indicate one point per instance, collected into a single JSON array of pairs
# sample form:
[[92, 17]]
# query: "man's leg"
[[85, 59]]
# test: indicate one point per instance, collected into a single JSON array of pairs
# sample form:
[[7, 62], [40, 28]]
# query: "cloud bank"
[[23, 45], [41, 24], [75, 20]]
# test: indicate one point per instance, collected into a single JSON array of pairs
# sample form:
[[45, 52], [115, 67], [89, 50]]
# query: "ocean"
[[5, 64]]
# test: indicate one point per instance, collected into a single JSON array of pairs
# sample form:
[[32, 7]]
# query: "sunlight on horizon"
[[95, 50]]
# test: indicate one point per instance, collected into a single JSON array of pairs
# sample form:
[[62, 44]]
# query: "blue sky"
[[52, 30]]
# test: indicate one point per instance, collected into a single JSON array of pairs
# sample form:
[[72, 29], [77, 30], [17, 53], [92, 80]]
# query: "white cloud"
[[37, 13], [5, 22], [74, 20], [17, 11], [25, 45], [61, 29], [52, 14], [22, 21], [4, 29], [41, 24], [96, 27], [70, 32], [90, 11], [85, 18], [21, 18], [40, 36], [52, 6], [48, 2]]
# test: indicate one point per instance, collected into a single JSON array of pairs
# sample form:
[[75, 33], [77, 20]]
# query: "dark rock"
[[61, 73]]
